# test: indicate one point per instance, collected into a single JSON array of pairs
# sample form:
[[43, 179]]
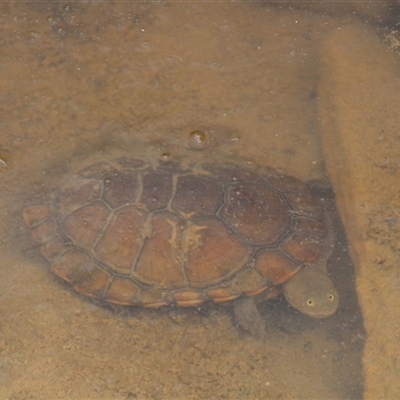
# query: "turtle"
[[135, 232]]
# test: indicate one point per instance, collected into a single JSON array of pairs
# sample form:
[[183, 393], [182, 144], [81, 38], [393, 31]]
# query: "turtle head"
[[311, 292]]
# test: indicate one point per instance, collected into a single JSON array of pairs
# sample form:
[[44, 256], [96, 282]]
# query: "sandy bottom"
[[83, 80]]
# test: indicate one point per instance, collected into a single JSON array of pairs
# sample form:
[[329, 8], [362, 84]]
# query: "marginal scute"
[[228, 172], [222, 294], [304, 204], [130, 164], [188, 298], [54, 247], [312, 227], [154, 297], [36, 214], [73, 266], [94, 284], [97, 171], [121, 291], [302, 248], [249, 282], [286, 183], [43, 232], [76, 194]]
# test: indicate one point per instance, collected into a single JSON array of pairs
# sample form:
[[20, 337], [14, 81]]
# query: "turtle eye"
[[331, 297], [310, 302]]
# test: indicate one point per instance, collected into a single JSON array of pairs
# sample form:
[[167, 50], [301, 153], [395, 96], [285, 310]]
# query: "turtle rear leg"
[[248, 317]]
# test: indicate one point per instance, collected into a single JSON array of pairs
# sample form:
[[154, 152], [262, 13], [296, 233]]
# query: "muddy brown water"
[[83, 81]]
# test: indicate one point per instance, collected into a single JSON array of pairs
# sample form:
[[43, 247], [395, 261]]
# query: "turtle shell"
[[132, 233]]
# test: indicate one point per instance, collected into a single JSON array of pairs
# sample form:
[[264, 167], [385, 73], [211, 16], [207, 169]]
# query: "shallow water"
[[83, 81]]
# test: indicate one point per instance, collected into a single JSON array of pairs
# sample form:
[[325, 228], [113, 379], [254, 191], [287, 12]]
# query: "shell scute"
[[94, 284], [256, 212], [196, 196], [74, 195], [73, 266], [304, 249], [213, 253], [97, 171], [120, 188], [83, 225], [160, 262], [157, 190], [54, 247], [43, 232], [274, 266], [121, 291], [119, 245]]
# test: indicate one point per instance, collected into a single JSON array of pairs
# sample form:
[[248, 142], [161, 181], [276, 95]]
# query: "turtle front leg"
[[248, 317]]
